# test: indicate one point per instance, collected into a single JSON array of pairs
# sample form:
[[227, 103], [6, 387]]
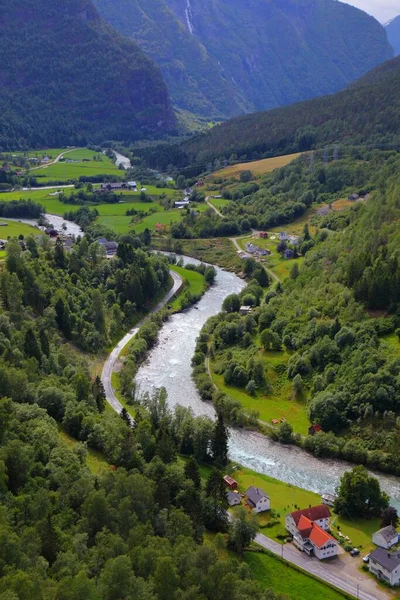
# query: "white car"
[[366, 559]]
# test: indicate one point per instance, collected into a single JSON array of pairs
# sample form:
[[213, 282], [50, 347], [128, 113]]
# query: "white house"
[[309, 530], [386, 537], [234, 498], [258, 500], [385, 565]]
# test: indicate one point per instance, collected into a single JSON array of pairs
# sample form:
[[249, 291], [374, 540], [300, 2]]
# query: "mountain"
[[229, 56], [393, 32], [195, 80], [367, 112], [67, 77]]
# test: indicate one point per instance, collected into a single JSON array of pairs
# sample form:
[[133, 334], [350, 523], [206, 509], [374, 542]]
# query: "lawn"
[[95, 460], [64, 171], [219, 202], [122, 223], [14, 229], [194, 282], [50, 152], [275, 262], [259, 167], [273, 573], [280, 404], [285, 498]]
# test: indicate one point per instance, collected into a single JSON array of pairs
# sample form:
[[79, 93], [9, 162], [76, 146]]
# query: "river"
[[122, 160], [169, 366]]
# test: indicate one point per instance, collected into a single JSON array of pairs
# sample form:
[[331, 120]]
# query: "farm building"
[[230, 482], [234, 498]]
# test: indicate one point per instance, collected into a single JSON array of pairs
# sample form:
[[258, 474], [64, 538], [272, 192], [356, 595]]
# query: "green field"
[[194, 283], [14, 229], [273, 573], [285, 498], [122, 223], [219, 202], [63, 171], [50, 152]]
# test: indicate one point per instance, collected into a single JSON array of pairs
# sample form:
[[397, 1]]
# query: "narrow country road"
[[214, 208], [332, 572], [109, 365], [53, 162]]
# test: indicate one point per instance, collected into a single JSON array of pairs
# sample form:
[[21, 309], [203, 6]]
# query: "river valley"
[[169, 366]]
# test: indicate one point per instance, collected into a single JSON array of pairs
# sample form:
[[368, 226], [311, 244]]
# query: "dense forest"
[[221, 59], [68, 78], [69, 528], [367, 112], [337, 318]]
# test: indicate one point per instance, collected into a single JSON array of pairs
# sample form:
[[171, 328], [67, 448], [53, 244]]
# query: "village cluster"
[[310, 530]]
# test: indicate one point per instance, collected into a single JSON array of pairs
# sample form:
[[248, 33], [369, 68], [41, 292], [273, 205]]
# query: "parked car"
[[366, 559], [354, 552]]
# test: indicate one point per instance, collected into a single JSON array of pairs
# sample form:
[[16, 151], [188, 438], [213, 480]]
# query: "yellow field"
[[258, 167]]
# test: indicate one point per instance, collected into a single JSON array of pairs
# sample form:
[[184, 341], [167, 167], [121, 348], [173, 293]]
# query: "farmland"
[[259, 167], [98, 164], [14, 229]]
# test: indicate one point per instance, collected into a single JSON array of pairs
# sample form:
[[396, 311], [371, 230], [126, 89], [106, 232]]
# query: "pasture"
[[97, 164], [219, 202], [15, 228], [258, 167]]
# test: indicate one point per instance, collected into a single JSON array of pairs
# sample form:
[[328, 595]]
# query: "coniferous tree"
[[220, 442], [44, 342], [192, 472], [31, 345]]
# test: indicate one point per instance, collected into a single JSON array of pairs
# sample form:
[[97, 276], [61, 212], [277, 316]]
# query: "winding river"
[[169, 365]]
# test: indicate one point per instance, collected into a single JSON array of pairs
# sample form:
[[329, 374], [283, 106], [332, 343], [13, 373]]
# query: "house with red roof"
[[309, 528]]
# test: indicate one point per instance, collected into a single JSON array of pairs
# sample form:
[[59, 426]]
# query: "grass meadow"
[[14, 229]]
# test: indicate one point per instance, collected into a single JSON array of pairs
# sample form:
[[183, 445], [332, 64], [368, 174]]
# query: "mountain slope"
[[367, 112], [66, 76], [393, 32], [195, 80], [253, 55]]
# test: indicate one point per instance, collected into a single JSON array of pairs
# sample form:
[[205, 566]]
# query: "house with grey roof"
[[385, 566], [386, 537], [234, 498], [257, 499]]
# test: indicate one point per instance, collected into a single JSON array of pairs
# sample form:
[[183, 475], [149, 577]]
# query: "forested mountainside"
[[67, 77], [334, 325], [195, 80], [263, 54], [367, 112], [393, 32]]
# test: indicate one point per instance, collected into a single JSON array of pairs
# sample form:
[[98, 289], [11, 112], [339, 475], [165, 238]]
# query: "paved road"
[[53, 162], [109, 365], [333, 572]]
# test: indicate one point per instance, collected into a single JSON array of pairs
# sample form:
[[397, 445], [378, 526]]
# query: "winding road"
[[110, 363], [214, 208]]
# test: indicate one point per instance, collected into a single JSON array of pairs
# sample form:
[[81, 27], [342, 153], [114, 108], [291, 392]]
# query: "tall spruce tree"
[[220, 442]]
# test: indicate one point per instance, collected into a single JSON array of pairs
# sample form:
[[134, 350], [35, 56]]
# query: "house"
[[109, 246], [309, 530], [68, 243], [252, 249], [353, 197], [314, 429], [182, 204], [46, 159], [263, 235], [386, 537], [283, 236], [257, 499], [385, 566], [317, 514], [230, 482], [50, 231], [159, 227], [132, 185], [288, 253], [234, 498], [118, 185], [245, 310]]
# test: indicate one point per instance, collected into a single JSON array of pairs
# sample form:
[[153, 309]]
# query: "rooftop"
[[255, 494], [314, 513], [388, 533], [387, 560]]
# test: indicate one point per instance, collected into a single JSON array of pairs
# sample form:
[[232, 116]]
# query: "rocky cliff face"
[[67, 77], [230, 56]]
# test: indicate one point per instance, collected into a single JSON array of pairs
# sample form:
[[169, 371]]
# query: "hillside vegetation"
[[367, 112], [66, 77]]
